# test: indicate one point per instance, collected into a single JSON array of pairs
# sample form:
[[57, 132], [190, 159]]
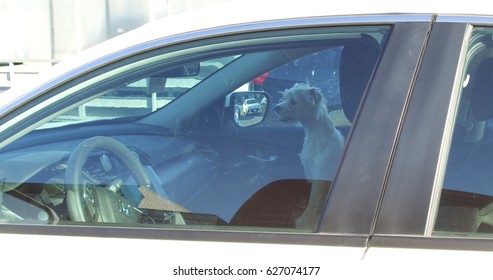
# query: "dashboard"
[[209, 180]]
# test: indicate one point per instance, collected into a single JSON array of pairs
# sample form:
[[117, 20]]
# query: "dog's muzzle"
[[280, 116]]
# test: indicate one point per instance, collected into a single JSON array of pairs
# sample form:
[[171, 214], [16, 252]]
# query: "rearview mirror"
[[249, 107], [186, 70]]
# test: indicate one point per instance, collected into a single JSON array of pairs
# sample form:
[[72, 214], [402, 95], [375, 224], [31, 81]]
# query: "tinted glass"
[[240, 134], [466, 204]]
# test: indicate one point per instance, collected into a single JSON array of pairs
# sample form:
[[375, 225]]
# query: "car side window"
[[224, 135], [466, 202]]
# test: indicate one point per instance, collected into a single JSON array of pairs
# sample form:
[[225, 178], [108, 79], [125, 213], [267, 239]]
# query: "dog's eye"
[[292, 102]]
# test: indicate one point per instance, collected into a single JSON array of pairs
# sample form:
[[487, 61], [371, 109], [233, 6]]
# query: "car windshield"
[[140, 97]]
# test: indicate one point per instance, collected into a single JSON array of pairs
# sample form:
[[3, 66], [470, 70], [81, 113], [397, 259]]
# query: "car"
[[132, 160], [251, 106]]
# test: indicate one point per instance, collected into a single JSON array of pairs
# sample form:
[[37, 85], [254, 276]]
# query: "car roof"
[[236, 13]]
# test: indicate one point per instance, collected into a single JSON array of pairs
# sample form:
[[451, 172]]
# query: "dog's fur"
[[322, 145]]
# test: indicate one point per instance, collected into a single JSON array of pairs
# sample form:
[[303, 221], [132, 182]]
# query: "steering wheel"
[[84, 201]]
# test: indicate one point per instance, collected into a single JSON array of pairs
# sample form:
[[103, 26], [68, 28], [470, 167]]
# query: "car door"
[[435, 207], [189, 188]]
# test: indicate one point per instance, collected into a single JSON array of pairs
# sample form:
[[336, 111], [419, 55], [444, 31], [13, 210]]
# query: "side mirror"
[[249, 107]]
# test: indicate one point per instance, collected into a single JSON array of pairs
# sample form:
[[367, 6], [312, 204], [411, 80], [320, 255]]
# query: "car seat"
[[358, 59], [466, 197], [477, 175], [278, 204]]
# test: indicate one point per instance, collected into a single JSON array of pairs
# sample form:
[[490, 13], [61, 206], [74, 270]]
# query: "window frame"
[[352, 233]]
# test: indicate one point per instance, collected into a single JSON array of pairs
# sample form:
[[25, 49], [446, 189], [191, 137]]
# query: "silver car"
[[132, 161]]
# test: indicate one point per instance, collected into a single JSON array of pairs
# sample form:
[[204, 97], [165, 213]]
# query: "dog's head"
[[300, 103]]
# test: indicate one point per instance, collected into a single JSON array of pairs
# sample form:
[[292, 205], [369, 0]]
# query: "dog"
[[322, 145]]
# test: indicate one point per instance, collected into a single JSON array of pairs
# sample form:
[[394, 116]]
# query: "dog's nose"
[[277, 108]]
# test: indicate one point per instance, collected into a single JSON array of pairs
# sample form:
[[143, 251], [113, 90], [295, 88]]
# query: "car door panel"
[[172, 259]]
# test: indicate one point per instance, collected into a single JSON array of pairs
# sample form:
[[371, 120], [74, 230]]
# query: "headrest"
[[482, 91], [358, 60]]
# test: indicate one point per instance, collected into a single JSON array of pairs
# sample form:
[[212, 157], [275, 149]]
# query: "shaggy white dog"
[[322, 145]]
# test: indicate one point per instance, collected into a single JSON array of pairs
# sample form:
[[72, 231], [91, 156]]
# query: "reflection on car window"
[[143, 96], [247, 137], [466, 203]]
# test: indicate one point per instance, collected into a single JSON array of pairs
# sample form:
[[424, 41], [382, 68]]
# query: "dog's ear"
[[315, 96]]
